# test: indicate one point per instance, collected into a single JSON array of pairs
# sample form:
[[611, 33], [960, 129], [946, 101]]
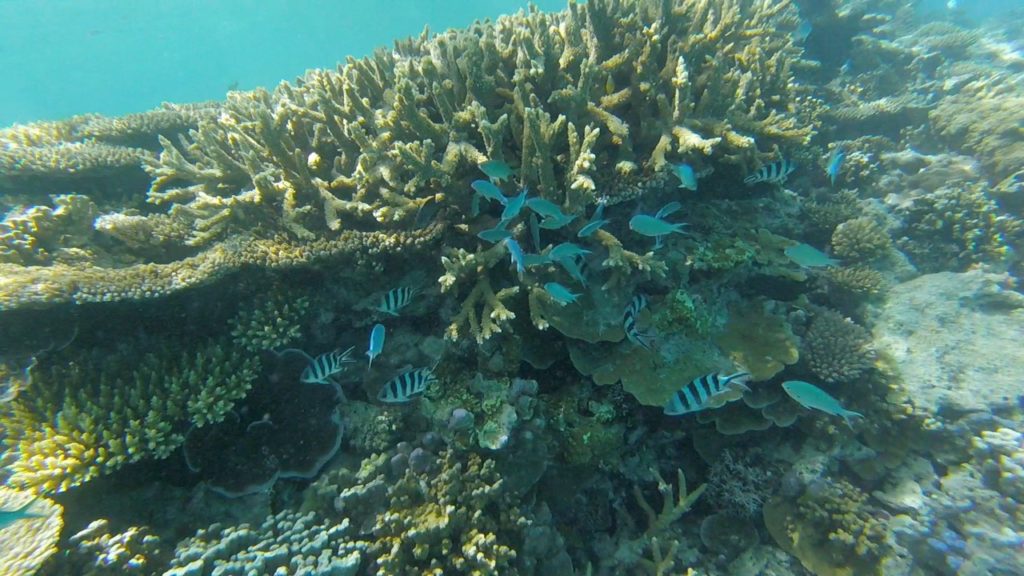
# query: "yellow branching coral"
[[82, 420]]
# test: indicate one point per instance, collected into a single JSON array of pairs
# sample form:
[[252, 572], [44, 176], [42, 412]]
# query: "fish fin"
[[847, 414]]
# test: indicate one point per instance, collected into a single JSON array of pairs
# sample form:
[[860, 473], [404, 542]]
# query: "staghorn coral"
[[82, 420], [39, 235], [860, 240], [270, 323], [99, 551], [835, 348], [28, 541]]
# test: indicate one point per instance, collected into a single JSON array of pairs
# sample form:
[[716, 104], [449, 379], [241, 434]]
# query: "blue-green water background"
[[59, 58]]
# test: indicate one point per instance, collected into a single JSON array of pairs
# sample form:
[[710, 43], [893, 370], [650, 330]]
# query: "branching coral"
[[28, 540], [860, 240], [38, 235], [835, 348], [100, 552], [81, 420]]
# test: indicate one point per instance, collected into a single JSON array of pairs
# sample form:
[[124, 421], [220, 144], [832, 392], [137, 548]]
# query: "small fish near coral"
[[774, 173], [377, 336], [687, 177], [494, 235], [560, 294], [321, 368], [813, 398], [835, 163], [595, 223], [705, 393], [396, 299], [496, 170], [808, 256], [8, 517], [487, 189], [514, 205], [629, 322], [407, 386], [515, 252], [654, 226]]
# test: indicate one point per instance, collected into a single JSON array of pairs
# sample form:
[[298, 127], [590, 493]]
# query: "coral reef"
[[99, 552], [27, 541], [859, 240], [835, 348]]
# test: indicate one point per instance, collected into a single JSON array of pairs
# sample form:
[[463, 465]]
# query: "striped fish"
[[774, 173], [407, 386], [700, 393], [396, 299], [324, 366], [629, 320]]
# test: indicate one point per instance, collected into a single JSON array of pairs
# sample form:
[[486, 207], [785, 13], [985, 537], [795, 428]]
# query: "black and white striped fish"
[[774, 173], [396, 299], [629, 320], [407, 386], [324, 366], [699, 394]]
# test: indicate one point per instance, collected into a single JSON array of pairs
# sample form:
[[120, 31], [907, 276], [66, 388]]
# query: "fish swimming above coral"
[[835, 163], [809, 257], [407, 386], [514, 205], [377, 336], [774, 173], [545, 208], [706, 392], [630, 319], [554, 223], [595, 223], [515, 252], [321, 368], [654, 226], [487, 189], [496, 170], [496, 234], [687, 177], [566, 250], [395, 300], [560, 294], [8, 517], [813, 398]]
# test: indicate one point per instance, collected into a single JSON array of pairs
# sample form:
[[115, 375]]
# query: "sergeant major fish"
[[407, 386], [395, 299], [376, 343], [774, 173], [629, 322], [813, 398], [704, 392], [321, 368]]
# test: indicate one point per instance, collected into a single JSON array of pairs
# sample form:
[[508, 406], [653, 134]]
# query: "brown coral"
[[835, 348], [860, 240]]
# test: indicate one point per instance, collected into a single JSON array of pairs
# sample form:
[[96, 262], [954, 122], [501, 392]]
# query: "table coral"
[[758, 340]]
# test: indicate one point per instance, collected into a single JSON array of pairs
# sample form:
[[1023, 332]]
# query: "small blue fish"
[[516, 253], [8, 517], [651, 226], [774, 173], [556, 223], [544, 208], [496, 169], [668, 209], [591, 227], [629, 322], [700, 393], [803, 31], [396, 299], [494, 235], [835, 162], [376, 343], [487, 189], [687, 177], [531, 260], [566, 250], [813, 398], [474, 206], [560, 293], [407, 386], [808, 256], [514, 205], [320, 370]]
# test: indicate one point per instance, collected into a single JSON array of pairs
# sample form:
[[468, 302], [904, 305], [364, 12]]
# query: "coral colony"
[[567, 339]]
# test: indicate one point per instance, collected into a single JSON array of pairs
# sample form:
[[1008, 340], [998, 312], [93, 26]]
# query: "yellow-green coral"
[[83, 419], [860, 239], [270, 323], [835, 348], [758, 340], [28, 541]]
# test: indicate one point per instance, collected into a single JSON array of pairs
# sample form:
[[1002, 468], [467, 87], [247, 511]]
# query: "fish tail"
[[847, 414]]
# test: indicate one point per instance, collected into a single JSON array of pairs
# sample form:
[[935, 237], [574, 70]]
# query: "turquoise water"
[[68, 57], [624, 287]]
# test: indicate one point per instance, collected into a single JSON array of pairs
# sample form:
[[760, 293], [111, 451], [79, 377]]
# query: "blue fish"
[[8, 517], [556, 223], [560, 293], [803, 31], [808, 256], [376, 343], [531, 260], [407, 386], [321, 368], [774, 173], [813, 398], [396, 299], [668, 209], [701, 393], [566, 250], [544, 208], [487, 189], [595, 223], [514, 205], [516, 253], [629, 322], [651, 226], [496, 169], [686, 175], [494, 235], [835, 162], [574, 270]]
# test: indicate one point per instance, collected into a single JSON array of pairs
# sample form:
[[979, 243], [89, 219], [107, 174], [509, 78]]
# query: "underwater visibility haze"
[[622, 287]]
